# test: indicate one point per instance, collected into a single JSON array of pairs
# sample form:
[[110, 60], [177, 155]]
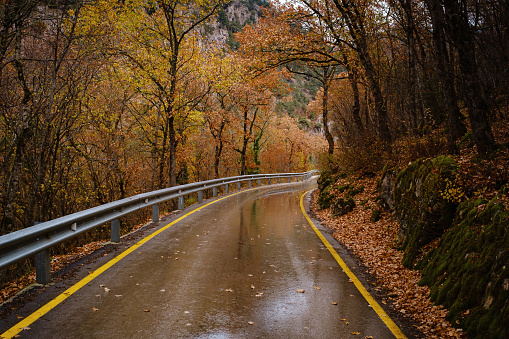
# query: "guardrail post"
[[200, 196], [155, 213], [42, 268], [214, 192], [115, 230], [238, 186], [181, 202], [259, 182], [269, 181], [249, 183], [226, 188], [289, 179], [279, 180]]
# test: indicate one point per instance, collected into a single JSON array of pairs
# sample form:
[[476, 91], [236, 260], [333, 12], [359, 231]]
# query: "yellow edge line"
[[26, 322], [378, 309]]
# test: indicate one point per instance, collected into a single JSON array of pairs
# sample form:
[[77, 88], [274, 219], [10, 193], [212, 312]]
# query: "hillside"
[[432, 232]]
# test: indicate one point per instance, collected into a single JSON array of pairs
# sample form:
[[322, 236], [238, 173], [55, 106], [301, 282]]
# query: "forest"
[[101, 100], [104, 99]]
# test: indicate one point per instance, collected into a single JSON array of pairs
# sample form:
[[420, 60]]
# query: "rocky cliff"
[[231, 18]]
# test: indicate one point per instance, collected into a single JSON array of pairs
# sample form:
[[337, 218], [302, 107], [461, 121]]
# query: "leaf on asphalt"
[[147, 310], [334, 303], [106, 289], [19, 317], [118, 295], [229, 290], [355, 333], [252, 287], [102, 285], [300, 291], [250, 323], [95, 309], [317, 288]]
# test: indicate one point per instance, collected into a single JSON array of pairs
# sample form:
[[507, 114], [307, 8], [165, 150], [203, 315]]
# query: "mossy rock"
[[325, 198], [342, 206], [425, 199], [468, 272], [325, 181]]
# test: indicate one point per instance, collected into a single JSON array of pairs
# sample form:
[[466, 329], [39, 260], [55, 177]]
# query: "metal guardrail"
[[37, 239]]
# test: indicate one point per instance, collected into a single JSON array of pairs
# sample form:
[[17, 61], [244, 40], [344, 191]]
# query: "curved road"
[[246, 266]]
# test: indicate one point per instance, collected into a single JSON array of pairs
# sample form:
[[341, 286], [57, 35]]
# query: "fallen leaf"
[[250, 323], [147, 310], [19, 317], [317, 288], [118, 295], [252, 287], [95, 309], [300, 291], [106, 289], [355, 333], [334, 303], [25, 328]]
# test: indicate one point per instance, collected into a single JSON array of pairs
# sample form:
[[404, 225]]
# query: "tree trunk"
[[218, 149], [172, 148], [464, 40], [325, 113], [454, 118]]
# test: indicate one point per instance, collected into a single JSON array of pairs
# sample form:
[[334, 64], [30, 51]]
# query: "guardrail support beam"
[[181, 202], [238, 186], [269, 181], [259, 182], [155, 213], [115, 230], [289, 179], [249, 183], [200, 196], [279, 180], [42, 268], [226, 188], [214, 192]]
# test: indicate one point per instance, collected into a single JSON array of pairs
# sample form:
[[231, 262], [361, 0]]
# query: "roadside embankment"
[[434, 235]]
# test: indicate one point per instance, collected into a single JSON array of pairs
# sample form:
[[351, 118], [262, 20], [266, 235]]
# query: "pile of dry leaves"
[[373, 243]]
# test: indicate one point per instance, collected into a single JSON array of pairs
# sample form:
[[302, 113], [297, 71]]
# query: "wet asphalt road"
[[230, 270]]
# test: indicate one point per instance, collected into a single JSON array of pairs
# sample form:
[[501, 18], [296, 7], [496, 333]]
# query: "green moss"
[[341, 206], [468, 271], [426, 196]]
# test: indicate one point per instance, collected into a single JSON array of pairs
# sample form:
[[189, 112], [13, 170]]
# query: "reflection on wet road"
[[245, 267]]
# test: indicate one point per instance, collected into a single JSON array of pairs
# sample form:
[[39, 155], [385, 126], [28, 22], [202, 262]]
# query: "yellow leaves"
[[452, 191]]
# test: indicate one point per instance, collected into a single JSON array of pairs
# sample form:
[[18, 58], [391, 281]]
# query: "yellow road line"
[[26, 322], [372, 302]]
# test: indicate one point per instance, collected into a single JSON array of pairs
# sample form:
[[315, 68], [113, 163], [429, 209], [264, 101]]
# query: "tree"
[[158, 49]]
